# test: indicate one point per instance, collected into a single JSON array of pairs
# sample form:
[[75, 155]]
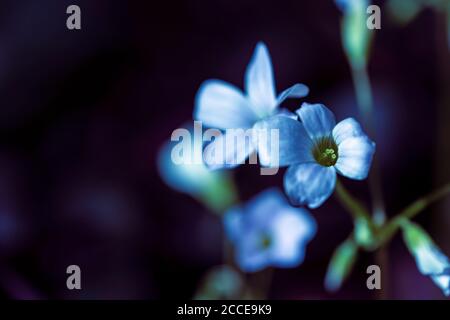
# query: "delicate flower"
[[214, 189], [315, 149], [223, 106], [429, 258], [269, 232]]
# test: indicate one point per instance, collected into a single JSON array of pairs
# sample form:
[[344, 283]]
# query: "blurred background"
[[84, 113]]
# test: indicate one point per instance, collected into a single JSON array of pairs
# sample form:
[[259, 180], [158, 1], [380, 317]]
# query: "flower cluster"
[[268, 230], [223, 106], [271, 232]]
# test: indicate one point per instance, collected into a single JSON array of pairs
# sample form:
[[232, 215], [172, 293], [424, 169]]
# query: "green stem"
[[389, 230], [364, 98], [353, 206], [363, 90]]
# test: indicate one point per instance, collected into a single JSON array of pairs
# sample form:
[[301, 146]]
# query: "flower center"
[[266, 241], [325, 151]]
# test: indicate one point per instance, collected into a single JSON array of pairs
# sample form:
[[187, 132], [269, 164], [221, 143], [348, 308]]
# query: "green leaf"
[[363, 234], [340, 265]]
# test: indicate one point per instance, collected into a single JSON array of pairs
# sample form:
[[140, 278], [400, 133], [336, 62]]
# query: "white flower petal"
[[292, 146], [318, 120], [309, 184], [345, 129], [355, 157], [221, 105], [293, 229], [260, 83], [229, 150], [296, 91]]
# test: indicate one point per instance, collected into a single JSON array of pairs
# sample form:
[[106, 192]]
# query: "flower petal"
[[221, 105], [296, 91], [249, 255], [286, 113], [355, 157], [443, 282], [293, 228], [229, 150], [347, 128], [318, 120], [430, 260], [259, 81], [290, 144], [233, 224], [309, 183]]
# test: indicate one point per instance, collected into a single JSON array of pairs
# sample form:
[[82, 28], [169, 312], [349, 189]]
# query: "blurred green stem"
[[364, 98], [363, 90], [389, 230], [353, 205]]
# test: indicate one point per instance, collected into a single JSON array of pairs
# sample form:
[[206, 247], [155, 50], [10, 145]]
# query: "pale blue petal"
[[286, 113], [292, 230], [443, 282], [260, 83], [245, 230], [430, 260], [250, 256], [355, 157], [190, 178], [229, 150], [219, 104], [269, 215], [262, 207], [347, 128], [233, 225], [292, 146], [318, 120], [296, 91], [309, 184]]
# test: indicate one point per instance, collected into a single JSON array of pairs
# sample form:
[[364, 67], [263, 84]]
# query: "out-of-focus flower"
[[429, 258], [269, 232], [340, 265], [356, 36], [223, 106], [315, 149], [214, 189]]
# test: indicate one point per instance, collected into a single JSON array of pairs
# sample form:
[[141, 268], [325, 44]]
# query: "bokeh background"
[[84, 113]]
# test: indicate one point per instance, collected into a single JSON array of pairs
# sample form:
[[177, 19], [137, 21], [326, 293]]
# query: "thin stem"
[[364, 98], [353, 206], [388, 231]]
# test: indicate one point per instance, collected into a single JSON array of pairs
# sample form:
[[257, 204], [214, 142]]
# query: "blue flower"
[[429, 258], [223, 106], [191, 176], [315, 149], [269, 232]]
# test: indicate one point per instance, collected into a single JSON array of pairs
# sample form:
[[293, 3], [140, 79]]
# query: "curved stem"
[[388, 231], [363, 91], [364, 98], [353, 206]]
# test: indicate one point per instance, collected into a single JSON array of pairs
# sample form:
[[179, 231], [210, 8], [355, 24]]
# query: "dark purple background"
[[83, 113]]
